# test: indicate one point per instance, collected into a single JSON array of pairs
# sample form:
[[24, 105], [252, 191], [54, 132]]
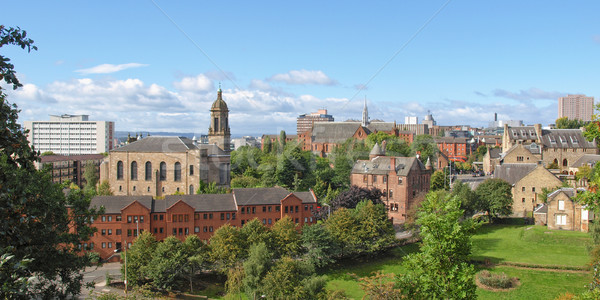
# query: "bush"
[[497, 281]]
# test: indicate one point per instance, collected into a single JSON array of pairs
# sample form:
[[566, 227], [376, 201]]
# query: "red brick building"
[[454, 148], [69, 167], [182, 215], [400, 179]]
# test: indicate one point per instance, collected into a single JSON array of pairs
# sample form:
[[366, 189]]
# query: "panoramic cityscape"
[[300, 150]]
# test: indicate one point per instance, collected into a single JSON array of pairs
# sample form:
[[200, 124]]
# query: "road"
[[97, 275], [473, 182]]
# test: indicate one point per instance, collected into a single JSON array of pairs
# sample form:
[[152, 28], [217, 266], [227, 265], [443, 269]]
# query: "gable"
[[542, 176], [135, 206]]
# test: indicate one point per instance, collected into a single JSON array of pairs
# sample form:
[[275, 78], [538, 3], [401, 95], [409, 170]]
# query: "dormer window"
[[574, 140], [562, 139]]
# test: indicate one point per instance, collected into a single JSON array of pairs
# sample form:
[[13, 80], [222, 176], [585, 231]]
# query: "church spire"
[[365, 114]]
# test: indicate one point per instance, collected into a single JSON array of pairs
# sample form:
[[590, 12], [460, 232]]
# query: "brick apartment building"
[[401, 179], [69, 167], [201, 214]]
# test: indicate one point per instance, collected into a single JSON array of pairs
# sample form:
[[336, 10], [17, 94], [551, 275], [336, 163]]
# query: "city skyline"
[[156, 66]]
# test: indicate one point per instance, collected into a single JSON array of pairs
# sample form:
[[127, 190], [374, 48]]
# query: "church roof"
[[219, 104], [168, 144]]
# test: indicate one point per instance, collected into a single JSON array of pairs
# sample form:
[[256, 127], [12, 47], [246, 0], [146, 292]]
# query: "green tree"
[[254, 232], [380, 286], [226, 247], [341, 226], [167, 264], [47, 153], [394, 146], [235, 282], [425, 145], [318, 245], [439, 181], [256, 267], [91, 177], [282, 140], [104, 189], [292, 279], [197, 257], [291, 165], [286, 238], [374, 231], [441, 269], [566, 123], [138, 258], [494, 197], [468, 197], [35, 224]]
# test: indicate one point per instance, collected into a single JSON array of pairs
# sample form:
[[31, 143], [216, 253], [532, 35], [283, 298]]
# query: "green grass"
[[536, 284], [531, 245]]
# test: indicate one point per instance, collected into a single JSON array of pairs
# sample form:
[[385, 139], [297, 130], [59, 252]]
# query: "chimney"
[[393, 163], [538, 132], [495, 117], [383, 146]]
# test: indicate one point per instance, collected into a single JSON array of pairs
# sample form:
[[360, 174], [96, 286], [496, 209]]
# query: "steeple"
[[365, 115], [218, 130]]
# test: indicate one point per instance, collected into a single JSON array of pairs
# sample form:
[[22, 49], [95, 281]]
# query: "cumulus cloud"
[[197, 83], [303, 77], [528, 95], [109, 68]]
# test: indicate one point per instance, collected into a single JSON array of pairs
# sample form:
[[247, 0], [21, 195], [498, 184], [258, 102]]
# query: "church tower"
[[365, 115], [218, 131]]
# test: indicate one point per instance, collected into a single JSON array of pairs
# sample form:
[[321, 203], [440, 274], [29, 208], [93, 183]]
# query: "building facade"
[[71, 135], [401, 179], [218, 132], [576, 107], [566, 214], [70, 167], [125, 217], [305, 122]]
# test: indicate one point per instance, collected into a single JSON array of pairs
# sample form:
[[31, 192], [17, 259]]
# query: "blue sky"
[[156, 65]]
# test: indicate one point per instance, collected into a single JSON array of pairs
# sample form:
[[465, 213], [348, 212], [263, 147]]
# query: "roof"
[[82, 157], [168, 144], [377, 150], [219, 104], [552, 138], [334, 132], [114, 204], [570, 192], [306, 197], [494, 152], [512, 173], [382, 165], [259, 196], [200, 202], [541, 209], [451, 140], [586, 160]]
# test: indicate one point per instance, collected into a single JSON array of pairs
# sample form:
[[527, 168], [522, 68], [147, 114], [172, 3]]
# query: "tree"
[[468, 198], [167, 264], [196, 253], [341, 226], [494, 197], [566, 123], [282, 140], [138, 259], [104, 189], [439, 181], [380, 286], [291, 166], [254, 232], [394, 146], [256, 267], [35, 224], [356, 194], [441, 269], [425, 145], [91, 177], [47, 153], [226, 247], [318, 245], [374, 231], [292, 279], [286, 238]]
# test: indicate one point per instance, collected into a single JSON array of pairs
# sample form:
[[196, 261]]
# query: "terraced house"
[[125, 217]]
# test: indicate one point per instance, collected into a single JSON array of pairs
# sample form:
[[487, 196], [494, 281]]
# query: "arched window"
[[177, 172], [565, 162], [191, 189], [148, 170], [119, 170], [133, 170], [163, 171]]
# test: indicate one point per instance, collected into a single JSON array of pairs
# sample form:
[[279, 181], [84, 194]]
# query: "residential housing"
[[64, 168], [576, 107]]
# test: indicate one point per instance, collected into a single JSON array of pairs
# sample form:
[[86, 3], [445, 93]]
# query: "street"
[[469, 179], [97, 275]]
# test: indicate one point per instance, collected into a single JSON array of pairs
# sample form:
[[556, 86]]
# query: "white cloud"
[[304, 77], [195, 84], [109, 68], [528, 95]]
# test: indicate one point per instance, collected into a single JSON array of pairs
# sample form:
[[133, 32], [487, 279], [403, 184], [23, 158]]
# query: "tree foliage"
[[494, 197], [286, 239], [439, 181], [441, 269], [356, 194], [566, 123], [91, 177], [256, 267], [425, 146], [138, 258]]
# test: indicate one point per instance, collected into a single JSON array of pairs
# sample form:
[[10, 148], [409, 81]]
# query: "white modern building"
[[71, 135], [411, 120]]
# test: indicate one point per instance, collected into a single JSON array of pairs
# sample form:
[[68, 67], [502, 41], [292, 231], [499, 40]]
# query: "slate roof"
[[552, 138], [82, 157], [200, 202], [377, 150], [382, 165], [513, 172], [333, 132], [306, 197], [451, 140], [495, 152], [168, 144], [114, 204], [586, 160], [570, 192], [541, 209], [260, 196]]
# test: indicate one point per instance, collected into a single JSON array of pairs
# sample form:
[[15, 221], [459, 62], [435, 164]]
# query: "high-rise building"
[[304, 122], [576, 107], [71, 135]]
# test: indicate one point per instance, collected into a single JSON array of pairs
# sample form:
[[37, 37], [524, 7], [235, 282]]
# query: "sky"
[[157, 65]]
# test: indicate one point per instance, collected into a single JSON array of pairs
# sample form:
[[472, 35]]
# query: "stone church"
[[166, 165]]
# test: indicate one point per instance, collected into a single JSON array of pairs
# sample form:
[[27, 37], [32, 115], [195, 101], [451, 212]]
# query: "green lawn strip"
[[528, 244], [538, 284]]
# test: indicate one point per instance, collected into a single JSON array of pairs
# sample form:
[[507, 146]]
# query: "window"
[[109, 245], [103, 218], [384, 179], [133, 170], [222, 216], [191, 190], [243, 210], [187, 231], [399, 180], [254, 209], [233, 216], [561, 219], [269, 221], [110, 232], [565, 163], [365, 178], [305, 207], [391, 194], [160, 217], [103, 245], [522, 189], [286, 210], [228, 216], [177, 172], [148, 173], [163, 171], [269, 208], [119, 219], [119, 170], [519, 158], [277, 208], [296, 208], [205, 229], [196, 229], [174, 231], [264, 209], [561, 205], [205, 216], [155, 230], [533, 189], [128, 232], [196, 216], [374, 178], [103, 231], [155, 217], [210, 229], [523, 200], [210, 216], [191, 170], [118, 232], [160, 230]]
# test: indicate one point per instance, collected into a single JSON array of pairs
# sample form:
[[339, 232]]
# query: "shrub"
[[497, 281]]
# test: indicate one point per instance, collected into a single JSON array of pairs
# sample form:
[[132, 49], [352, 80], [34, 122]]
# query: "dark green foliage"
[[17, 37], [210, 188], [356, 194], [47, 153], [138, 259], [440, 181], [441, 269], [292, 166], [468, 198], [394, 145], [318, 245], [425, 146], [91, 177], [167, 264], [566, 123], [494, 197], [104, 189], [256, 267]]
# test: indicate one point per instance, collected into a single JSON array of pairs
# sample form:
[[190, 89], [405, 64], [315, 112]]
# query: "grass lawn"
[[536, 284], [531, 244]]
